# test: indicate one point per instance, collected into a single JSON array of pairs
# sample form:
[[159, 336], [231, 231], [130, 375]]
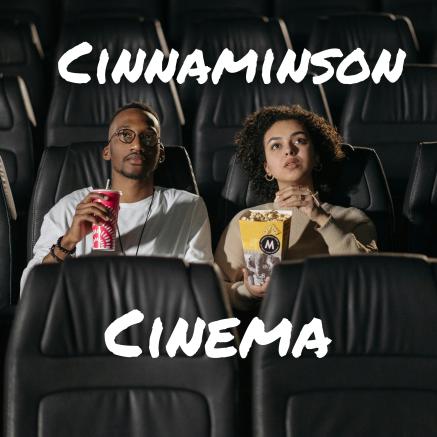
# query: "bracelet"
[[63, 249], [53, 254]]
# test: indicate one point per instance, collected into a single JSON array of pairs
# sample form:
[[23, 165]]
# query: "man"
[[151, 221]]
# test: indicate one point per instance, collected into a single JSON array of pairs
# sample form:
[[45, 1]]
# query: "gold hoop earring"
[[268, 178], [161, 159]]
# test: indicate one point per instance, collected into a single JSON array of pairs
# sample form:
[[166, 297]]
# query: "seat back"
[[371, 32], [361, 184], [20, 57], [300, 17], [16, 141], [183, 15], [81, 112], [238, 34], [422, 14], [76, 10], [5, 253], [380, 363], [66, 169], [43, 15], [420, 203], [113, 34], [394, 128], [78, 384]]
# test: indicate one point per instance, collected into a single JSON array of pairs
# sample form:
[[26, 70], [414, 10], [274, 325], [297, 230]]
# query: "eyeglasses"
[[127, 136]]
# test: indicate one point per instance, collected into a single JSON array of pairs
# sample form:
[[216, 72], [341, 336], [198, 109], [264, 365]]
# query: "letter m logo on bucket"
[[269, 244]]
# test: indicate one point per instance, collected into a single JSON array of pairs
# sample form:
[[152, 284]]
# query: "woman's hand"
[[257, 291], [88, 212], [303, 199]]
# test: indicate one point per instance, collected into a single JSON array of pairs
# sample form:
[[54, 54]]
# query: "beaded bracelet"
[[53, 254], [63, 249]]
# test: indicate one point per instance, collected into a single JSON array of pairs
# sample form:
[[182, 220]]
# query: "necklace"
[[142, 230]]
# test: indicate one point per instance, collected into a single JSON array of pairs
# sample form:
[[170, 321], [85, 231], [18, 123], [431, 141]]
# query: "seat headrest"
[[369, 305], [85, 295]]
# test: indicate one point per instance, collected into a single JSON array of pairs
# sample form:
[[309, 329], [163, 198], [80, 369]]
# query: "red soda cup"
[[105, 232]]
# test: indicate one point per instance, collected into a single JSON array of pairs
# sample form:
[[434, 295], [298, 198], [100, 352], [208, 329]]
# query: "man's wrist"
[[68, 243]]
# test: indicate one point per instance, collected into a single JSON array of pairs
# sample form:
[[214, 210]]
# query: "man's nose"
[[136, 144]]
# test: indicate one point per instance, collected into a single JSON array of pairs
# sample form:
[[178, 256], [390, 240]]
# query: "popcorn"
[[266, 216]]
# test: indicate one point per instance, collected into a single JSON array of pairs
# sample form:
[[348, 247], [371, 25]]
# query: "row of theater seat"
[[371, 31], [80, 113], [378, 377], [361, 183], [49, 15]]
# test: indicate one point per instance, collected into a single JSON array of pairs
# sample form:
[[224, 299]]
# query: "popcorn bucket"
[[264, 234]]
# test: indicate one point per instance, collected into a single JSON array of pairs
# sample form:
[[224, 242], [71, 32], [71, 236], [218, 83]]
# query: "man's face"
[[139, 158]]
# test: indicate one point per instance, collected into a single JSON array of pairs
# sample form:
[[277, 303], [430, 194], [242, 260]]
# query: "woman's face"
[[289, 153]]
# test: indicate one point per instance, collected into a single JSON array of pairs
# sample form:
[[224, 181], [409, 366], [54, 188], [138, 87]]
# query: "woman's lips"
[[292, 163]]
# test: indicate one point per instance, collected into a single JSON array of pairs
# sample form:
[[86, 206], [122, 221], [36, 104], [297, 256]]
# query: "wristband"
[[53, 254], [63, 249]]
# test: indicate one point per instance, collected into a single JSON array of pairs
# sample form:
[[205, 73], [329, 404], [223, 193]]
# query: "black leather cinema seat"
[[41, 14], [19, 56], [63, 380], [379, 377], [81, 112], [422, 13], [66, 169], [16, 141], [300, 17], [239, 34], [114, 34], [392, 118], [371, 32], [76, 10], [361, 184], [222, 110], [5, 253], [183, 15], [420, 203]]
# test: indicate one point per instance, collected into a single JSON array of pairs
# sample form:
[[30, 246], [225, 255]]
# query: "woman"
[[290, 155]]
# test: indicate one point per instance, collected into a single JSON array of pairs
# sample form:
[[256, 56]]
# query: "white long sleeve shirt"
[[178, 226]]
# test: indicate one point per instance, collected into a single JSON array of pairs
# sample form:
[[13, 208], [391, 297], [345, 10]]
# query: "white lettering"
[[122, 67], [178, 338], [217, 336], [68, 57], [382, 66], [320, 342], [201, 71], [256, 332], [356, 56], [116, 327], [226, 62], [287, 67]]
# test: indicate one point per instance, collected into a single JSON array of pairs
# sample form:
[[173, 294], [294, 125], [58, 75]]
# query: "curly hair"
[[250, 146]]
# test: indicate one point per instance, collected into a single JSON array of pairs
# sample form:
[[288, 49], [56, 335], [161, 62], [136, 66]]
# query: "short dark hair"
[[250, 146], [134, 105]]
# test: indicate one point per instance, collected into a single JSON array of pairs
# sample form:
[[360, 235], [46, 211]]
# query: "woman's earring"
[[268, 178], [161, 159]]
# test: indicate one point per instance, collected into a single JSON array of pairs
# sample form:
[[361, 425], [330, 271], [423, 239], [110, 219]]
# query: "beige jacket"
[[348, 231]]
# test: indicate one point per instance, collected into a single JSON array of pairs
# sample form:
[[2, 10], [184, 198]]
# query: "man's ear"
[[106, 153]]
